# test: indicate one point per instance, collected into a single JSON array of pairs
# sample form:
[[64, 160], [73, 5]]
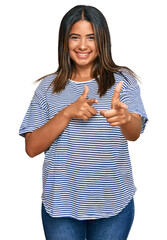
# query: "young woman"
[[81, 117]]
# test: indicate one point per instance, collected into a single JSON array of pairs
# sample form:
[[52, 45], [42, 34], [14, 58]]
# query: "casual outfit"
[[87, 172], [66, 228]]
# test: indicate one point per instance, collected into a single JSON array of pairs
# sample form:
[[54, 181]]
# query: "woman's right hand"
[[40, 139], [82, 107]]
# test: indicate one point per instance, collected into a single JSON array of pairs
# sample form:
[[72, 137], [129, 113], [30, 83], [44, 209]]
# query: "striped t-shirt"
[[87, 170]]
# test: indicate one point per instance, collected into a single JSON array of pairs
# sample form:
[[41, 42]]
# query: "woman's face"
[[82, 45]]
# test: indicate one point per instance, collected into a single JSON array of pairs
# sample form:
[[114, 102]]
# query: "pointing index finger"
[[92, 101]]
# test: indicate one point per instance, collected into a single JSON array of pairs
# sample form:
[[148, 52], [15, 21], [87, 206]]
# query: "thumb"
[[85, 92], [116, 103], [117, 91]]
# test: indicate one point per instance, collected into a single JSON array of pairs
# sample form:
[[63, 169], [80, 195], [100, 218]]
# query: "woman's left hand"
[[118, 115]]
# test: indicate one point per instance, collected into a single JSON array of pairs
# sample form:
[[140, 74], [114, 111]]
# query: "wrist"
[[67, 113], [128, 118]]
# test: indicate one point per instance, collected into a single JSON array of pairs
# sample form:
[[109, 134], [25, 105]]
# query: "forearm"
[[41, 139], [132, 129]]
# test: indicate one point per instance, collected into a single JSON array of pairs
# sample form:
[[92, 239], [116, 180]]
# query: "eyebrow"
[[88, 35]]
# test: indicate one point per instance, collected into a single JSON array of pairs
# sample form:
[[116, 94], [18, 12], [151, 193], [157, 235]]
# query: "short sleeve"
[[131, 96], [36, 115]]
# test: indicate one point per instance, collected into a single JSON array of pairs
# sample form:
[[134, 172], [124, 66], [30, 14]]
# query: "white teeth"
[[83, 54]]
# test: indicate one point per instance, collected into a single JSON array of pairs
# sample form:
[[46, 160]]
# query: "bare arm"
[[41, 139], [130, 123], [132, 129]]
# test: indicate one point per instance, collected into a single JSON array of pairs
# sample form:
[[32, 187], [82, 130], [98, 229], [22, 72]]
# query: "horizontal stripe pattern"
[[87, 170]]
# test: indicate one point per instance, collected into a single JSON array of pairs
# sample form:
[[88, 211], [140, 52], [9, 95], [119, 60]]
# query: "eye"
[[91, 38], [74, 37]]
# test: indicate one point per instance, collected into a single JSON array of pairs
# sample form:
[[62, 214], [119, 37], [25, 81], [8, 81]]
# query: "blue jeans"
[[66, 228]]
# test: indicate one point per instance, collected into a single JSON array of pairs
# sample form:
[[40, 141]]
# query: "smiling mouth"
[[83, 55]]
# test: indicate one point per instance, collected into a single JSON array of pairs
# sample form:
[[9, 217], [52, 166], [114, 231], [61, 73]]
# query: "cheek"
[[94, 48], [71, 53], [71, 45]]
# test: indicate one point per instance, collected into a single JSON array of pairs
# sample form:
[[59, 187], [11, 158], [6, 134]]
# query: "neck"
[[82, 74]]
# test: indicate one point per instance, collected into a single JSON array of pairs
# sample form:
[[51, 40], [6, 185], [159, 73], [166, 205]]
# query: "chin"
[[83, 62]]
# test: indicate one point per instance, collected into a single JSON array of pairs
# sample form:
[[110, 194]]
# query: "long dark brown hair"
[[103, 66]]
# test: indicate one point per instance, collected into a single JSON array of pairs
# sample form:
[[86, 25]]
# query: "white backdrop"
[[28, 50]]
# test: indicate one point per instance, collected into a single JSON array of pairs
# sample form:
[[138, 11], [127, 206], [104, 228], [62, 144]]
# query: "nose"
[[82, 44]]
